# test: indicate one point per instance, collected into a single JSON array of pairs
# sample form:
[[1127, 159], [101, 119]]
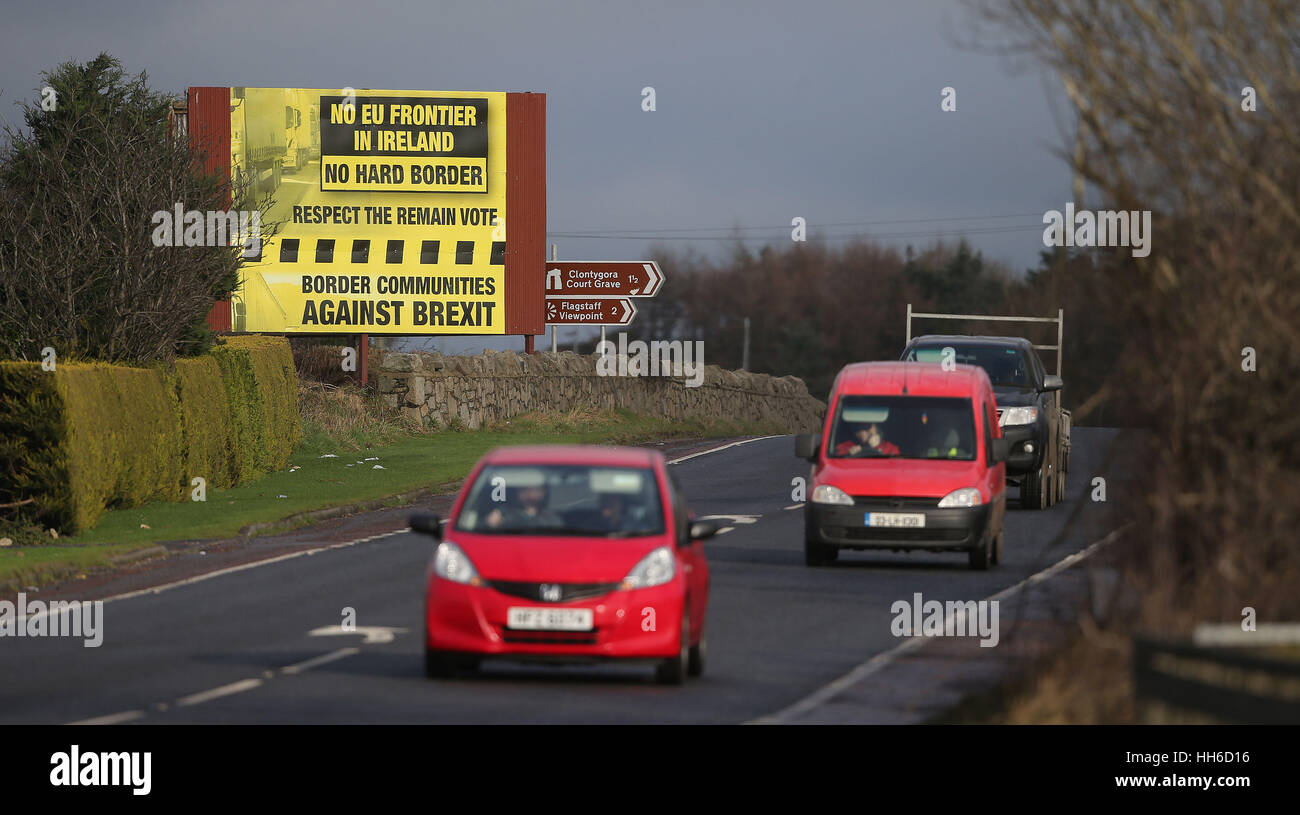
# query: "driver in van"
[[866, 437]]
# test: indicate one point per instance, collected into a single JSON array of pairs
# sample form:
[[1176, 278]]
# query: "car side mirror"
[[427, 523], [703, 529], [1001, 450], [1052, 382], [806, 445]]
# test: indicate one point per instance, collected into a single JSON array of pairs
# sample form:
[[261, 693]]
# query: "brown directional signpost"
[[589, 310], [587, 292], [635, 278]]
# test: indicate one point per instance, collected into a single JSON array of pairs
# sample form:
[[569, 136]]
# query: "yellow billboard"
[[390, 208]]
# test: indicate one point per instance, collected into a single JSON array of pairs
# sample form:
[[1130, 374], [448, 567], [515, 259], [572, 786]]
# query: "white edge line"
[[198, 578], [216, 693], [112, 718], [279, 558], [834, 688], [721, 447]]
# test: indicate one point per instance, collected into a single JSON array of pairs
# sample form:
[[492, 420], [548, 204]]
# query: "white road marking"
[[279, 558], [722, 447], [793, 506], [216, 693], [112, 718], [724, 530], [829, 691], [373, 633], [320, 660], [198, 578], [734, 519]]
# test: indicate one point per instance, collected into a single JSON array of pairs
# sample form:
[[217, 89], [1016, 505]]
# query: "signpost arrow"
[[636, 278], [589, 310]]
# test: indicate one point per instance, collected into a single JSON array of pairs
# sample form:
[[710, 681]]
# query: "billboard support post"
[[363, 351]]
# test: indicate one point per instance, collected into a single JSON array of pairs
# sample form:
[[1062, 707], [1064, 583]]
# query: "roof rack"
[[1059, 319]]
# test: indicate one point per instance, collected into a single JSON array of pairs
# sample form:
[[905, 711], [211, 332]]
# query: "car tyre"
[[672, 671], [695, 663], [442, 665], [819, 554], [981, 557], [1032, 492]]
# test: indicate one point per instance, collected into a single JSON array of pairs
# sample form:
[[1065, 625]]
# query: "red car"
[[911, 457], [567, 554]]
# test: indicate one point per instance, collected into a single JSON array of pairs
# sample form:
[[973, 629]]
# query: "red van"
[[910, 457]]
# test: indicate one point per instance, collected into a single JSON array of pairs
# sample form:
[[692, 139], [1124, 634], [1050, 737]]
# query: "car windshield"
[[546, 499], [903, 427], [1007, 367]]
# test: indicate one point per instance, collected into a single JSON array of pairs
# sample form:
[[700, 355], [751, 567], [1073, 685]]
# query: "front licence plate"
[[907, 520], [549, 619]]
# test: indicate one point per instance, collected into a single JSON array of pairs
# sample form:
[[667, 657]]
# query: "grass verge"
[[352, 460]]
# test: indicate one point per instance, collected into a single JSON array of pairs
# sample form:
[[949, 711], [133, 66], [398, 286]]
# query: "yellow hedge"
[[92, 436], [207, 430]]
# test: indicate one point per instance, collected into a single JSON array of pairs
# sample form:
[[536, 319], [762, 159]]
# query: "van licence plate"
[[906, 520]]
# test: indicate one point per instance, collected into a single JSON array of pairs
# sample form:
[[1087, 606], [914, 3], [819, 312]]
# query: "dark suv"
[[1029, 408]]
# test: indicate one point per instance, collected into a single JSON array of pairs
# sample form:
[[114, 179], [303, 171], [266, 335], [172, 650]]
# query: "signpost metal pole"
[[744, 354], [555, 255]]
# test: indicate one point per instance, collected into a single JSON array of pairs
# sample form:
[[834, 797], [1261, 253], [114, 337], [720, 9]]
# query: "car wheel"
[[672, 671], [1032, 494], [695, 664], [441, 665], [819, 554], [438, 665], [981, 556]]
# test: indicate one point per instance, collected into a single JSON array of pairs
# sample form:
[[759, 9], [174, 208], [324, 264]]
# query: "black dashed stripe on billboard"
[[429, 252], [464, 252], [394, 251]]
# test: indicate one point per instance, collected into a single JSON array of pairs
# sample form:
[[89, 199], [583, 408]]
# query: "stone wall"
[[497, 385]]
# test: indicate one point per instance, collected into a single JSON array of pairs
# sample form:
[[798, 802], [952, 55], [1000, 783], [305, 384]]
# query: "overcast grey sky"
[[765, 110]]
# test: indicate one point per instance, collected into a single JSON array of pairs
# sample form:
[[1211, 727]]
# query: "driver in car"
[[527, 511], [866, 437]]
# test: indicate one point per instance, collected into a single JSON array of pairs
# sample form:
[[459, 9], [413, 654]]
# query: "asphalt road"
[[238, 647]]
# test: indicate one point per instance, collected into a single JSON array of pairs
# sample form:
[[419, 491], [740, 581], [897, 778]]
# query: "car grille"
[[892, 502], [568, 591], [549, 637], [886, 535]]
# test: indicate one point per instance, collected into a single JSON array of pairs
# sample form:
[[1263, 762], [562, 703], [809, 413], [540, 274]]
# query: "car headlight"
[[964, 497], [826, 494], [1018, 415], [450, 563], [655, 569]]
